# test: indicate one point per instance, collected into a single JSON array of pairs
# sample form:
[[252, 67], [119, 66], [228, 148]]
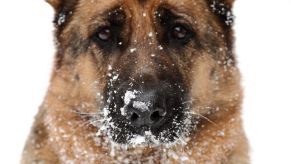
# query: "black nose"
[[147, 118], [145, 109]]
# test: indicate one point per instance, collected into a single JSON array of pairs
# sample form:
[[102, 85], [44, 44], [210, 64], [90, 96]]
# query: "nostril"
[[157, 116], [134, 117]]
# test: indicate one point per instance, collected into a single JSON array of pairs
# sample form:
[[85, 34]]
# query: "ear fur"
[[228, 3], [63, 11], [223, 9], [54, 3]]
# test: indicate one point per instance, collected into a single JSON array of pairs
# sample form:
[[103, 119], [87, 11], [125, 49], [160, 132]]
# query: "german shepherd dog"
[[141, 81]]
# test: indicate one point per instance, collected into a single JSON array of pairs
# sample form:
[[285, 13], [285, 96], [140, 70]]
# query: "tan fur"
[[61, 135]]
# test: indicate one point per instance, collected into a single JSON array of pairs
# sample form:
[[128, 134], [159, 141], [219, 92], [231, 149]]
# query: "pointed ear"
[[63, 10], [223, 9], [54, 3], [226, 3], [229, 2], [60, 4]]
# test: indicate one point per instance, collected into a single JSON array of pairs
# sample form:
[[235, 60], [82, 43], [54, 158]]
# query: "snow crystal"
[[105, 112], [221, 134], [160, 47], [222, 10], [122, 110], [184, 158], [150, 34], [129, 95], [62, 19], [138, 140], [141, 105], [132, 50], [229, 18], [115, 77], [229, 62], [109, 67]]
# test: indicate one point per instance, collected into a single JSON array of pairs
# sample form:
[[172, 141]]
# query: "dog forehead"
[[100, 8], [105, 5]]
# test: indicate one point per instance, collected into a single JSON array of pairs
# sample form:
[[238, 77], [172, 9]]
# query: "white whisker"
[[204, 117]]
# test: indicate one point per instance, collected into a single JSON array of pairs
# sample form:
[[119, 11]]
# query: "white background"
[[263, 45]]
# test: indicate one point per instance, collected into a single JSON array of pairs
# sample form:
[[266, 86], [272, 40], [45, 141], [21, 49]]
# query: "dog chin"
[[149, 140], [146, 140]]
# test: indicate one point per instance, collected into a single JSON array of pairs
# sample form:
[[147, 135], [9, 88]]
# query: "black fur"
[[63, 14]]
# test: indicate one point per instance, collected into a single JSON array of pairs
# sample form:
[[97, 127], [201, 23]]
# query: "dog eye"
[[179, 35], [179, 32], [107, 38], [104, 34]]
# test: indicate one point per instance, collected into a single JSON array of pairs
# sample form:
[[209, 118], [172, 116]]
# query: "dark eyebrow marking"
[[165, 16], [116, 16]]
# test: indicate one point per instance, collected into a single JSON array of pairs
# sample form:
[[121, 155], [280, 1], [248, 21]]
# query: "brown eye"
[[179, 32], [104, 34], [179, 35], [107, 38]]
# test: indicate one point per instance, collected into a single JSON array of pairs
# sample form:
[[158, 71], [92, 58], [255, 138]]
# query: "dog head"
[[153, 70]]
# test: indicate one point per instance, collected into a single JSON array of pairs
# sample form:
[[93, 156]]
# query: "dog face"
[[150, 71]]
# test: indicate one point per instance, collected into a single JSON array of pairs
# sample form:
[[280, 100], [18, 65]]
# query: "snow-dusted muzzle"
[[146, 112]]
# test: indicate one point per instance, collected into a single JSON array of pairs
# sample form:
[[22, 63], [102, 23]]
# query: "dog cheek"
[[88, 86], [202, 87], [228, 93]]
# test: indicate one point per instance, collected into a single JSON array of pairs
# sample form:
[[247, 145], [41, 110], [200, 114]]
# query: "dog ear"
[[64, 10], [54, 3], [229, 3], [223, 9], [62, 4]]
